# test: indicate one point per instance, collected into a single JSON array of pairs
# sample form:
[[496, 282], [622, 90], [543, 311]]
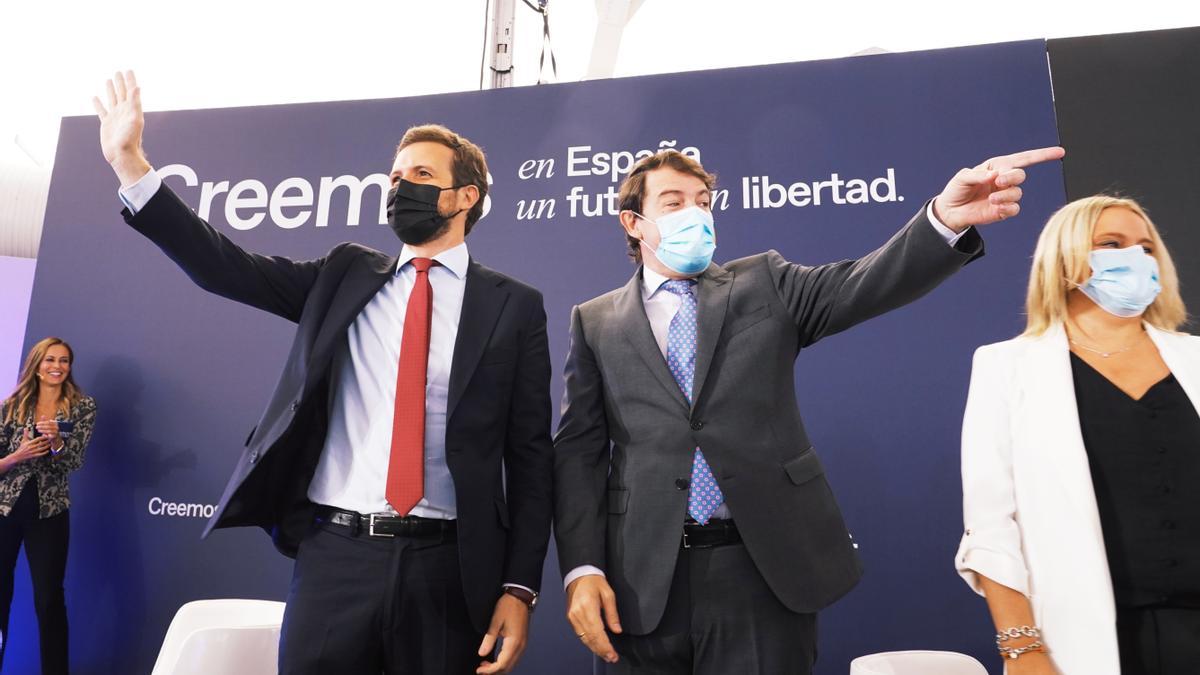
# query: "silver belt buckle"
[[685, 541], [371, 528]]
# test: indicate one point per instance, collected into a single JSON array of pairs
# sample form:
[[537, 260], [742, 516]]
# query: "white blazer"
[[1031, 521]]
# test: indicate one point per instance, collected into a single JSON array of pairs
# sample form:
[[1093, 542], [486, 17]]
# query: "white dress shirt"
[[352, 471], [661, 307]]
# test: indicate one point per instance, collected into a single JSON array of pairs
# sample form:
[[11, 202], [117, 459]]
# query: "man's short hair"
[[469, 167], [633, 188]]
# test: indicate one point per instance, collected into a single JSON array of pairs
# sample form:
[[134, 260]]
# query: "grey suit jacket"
[[623, 450]]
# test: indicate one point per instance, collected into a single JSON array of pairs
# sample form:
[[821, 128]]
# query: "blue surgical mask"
[[687, 240], [1124, 281]]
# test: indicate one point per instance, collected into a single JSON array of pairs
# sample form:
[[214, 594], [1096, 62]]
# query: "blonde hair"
[[1061, 260], [20, 405]]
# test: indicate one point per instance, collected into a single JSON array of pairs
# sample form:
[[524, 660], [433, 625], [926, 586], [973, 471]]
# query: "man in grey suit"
[[687, 492]]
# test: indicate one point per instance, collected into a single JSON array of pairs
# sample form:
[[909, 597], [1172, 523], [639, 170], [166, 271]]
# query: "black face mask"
[[412, 210]]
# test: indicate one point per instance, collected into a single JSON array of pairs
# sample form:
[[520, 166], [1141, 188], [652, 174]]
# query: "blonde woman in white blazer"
[[1080, 457]]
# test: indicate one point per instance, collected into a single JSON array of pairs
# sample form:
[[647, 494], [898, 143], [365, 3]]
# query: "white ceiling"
[[221, 53]]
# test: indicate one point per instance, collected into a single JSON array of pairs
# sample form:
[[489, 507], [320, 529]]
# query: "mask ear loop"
[[635, 213], [642, 240], [454, 187], [1075, 285]]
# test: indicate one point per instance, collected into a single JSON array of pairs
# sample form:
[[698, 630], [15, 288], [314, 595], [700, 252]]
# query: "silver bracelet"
[[1014, 652], [1016, 632]]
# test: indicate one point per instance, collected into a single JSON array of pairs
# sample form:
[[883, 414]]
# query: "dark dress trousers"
[[498, 445]]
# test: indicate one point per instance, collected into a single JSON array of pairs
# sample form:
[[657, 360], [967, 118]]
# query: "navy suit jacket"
[[498, 446]]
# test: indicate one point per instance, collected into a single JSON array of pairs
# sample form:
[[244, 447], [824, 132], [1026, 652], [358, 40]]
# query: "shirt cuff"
[[524, 588], [136, 196], [581, 571], [948, 234]]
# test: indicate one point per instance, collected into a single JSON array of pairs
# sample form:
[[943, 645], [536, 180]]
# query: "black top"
[[1144, 456]]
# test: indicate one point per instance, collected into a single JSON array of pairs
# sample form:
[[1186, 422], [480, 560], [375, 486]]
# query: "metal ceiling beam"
[[611, 18]]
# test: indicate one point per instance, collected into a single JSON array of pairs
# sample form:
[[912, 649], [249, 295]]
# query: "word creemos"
[[290, 203]]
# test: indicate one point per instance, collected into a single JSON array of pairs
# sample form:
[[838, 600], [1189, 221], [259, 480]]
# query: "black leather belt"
[[715, 533], [384, 525]]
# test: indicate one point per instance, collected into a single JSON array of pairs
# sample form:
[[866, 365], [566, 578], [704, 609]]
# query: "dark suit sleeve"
[[529, 455], [273, 284], [581, 459], [827, 299]]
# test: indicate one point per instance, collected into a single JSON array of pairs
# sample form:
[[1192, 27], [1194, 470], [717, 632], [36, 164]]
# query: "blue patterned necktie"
[[704, 496]]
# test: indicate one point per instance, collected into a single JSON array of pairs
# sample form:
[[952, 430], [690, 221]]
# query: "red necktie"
[[406, 467]]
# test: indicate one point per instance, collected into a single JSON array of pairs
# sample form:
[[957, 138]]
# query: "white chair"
[[916, 663], [222, 637]]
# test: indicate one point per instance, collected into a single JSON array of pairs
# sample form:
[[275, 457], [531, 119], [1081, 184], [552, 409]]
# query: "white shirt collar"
[[455, 259], [651, 282]]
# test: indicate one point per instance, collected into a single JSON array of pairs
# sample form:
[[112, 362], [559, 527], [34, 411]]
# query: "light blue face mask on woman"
[[687, 239], [1124, 281]]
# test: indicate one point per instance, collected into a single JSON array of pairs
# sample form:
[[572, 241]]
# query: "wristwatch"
[[528, 597]]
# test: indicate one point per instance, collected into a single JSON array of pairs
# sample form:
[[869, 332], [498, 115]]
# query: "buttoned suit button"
[[697, 425], [295, 406], [253, 456], [682, 484]]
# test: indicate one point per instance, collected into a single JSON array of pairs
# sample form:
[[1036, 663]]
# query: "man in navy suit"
[[404, 459]]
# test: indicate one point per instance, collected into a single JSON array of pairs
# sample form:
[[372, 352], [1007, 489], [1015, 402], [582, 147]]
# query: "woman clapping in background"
[[45, 426]]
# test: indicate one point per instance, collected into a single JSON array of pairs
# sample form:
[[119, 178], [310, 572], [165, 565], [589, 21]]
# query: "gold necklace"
[[1103, 354]]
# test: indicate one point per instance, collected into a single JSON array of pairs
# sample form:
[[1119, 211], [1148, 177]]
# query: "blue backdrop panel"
[[181, 376]]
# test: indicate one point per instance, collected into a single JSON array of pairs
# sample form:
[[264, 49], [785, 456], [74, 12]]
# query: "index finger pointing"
[[1028, 158]]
